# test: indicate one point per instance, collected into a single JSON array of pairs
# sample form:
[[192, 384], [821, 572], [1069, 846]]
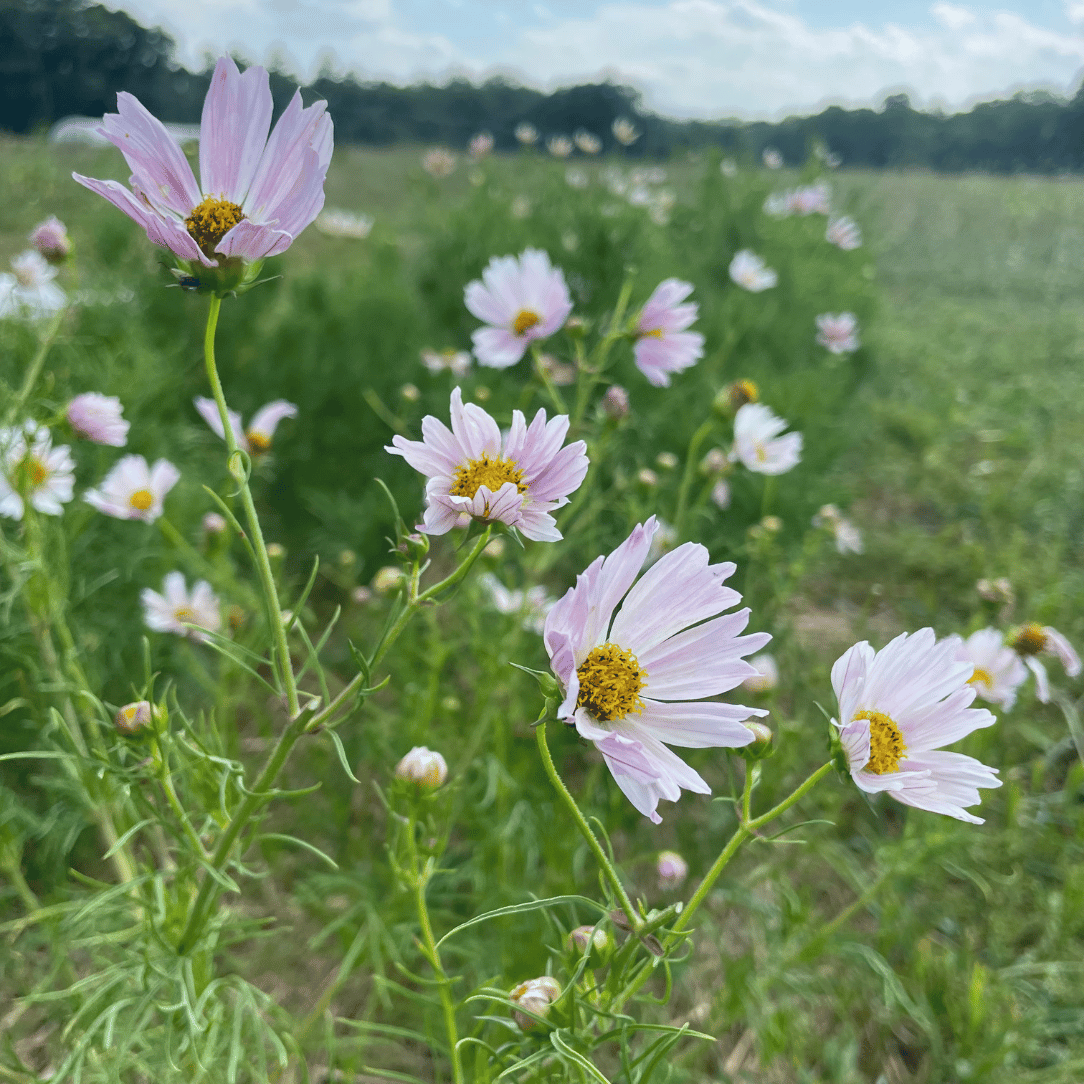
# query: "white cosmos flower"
[[1032, 640], [750, 272], [261, 430], [772, 158], [29, 293], [98, 418], [559, 146], [625, 132], [457, 362], [848, 537], [998, 671], [480, 145], [133, 490], [31, 468], [758, 445], [811, 199], [176, 609], [531, 605], [838, 332], [438, 162], [526, 133], [844, 233], [586, 141], [897, 707]]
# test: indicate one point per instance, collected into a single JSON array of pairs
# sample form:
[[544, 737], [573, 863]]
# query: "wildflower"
[[133, 490], [480, 145], [897, 707], [766, 677], [29, 291], [559, 146], [423, 768], [672, 870], [586, 141], [734, 396], [772, 158], [457, 362], [999, 590], [51, 239], [98, 418], [844, 233], [758, 445], [438, 162], [998, 671], [635, 681], [133, 718], [474, 475], [663, 345], [811, 199], [750, 272], [559, 373], [728, 167], [32, 469], [720, 494], [625, 132], [667, 460], [257, 193], [576, 178], [521, 299], [838, 332], [647, 477], [1032, 640], [261, 430], [715, 461], [179, 612], [848, 537], [534, 996], [410, 392], [778, 205], [526, 133], [337, 223], [531, 605], [615, 403], [213, 523]]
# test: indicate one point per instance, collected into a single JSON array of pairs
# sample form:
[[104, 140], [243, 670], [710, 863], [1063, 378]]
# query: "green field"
[[870, 942]]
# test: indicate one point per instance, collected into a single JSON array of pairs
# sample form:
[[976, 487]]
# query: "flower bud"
[[415, 546], [735, 395], [772, 524], [133, 718], [666, 460], [213, 523], [235, 616], [584, 938], [360, 595], [348, 558], [275, 551], [615, 403], [387, 579], [647, 477], [762, 745], [715, 462], [495, 548], [999, 590], [672, 870], [422, 767], [536, 996], [766, 677], [51, 239], [410, 393], [720, 494]]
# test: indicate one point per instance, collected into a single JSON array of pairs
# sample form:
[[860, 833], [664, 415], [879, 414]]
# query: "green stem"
[[585, 829], [590, 371], [690, 471], [259, 548], [34, 369], [547, 380], [26, 894]]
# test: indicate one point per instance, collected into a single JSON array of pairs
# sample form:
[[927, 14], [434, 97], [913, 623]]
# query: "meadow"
[[857, 940]]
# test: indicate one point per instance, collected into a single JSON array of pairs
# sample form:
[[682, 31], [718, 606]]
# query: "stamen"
[[654, 333], [1030, 640], [183, 613], [211, 221], [886, 748], [491, 473], [610, 683], [141, 499], [524, 321], [258, 442], [981, 677]]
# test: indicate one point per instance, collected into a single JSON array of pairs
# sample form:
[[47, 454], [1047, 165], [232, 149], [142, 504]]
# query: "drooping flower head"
[[51, 239], [998, 671], [751, 273], [844, 233], [1032, 640], [29, 292], [521, 299], [474, 474], [838, 332], [98, 418], [175, 610], [663, 345], [637, 678], [256, 192], [897, 707], [757, 443], [257, 438], [31, 469], [134, 490]]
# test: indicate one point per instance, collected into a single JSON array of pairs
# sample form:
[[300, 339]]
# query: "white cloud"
[[953, 16]]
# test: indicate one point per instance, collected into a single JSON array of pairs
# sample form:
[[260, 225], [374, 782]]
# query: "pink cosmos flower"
[[838, 332], [474, 475], [844, 233], [134, 490], [98, 418], [663, 346], [758, 445], [811, 199], [522, 299], [261, 430], [634, 681], [176, 610], [51, 239], [257, 193], [481, 145], [1032, 640], [897, 707], [751, 273]]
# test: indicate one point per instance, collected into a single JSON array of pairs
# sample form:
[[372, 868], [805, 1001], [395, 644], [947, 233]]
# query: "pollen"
[[491, 473], [141, 499], [886, 748], [981, 677], [524, 321], [1030, 640], [258, 442], [34, 471], [183, 613], [211, 221], [654, 333], [610, 683]]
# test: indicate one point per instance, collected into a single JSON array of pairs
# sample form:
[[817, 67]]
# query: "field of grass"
[[871, 942]]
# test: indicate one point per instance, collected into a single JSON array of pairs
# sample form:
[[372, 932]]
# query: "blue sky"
[[689, 58]]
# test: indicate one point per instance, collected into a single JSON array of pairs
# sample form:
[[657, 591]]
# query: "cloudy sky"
[[690, 58]]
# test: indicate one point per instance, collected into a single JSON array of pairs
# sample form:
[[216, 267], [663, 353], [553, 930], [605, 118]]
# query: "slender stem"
[[590, 372], [26, 894], [33, 370], [585, 829], [747, 795], [259, 548], [165, 778], [547, 380], [791, 799], [690, 471]]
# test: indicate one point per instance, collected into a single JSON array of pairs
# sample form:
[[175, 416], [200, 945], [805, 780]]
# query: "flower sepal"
[[231, 278], [761, 747], [551, 690]]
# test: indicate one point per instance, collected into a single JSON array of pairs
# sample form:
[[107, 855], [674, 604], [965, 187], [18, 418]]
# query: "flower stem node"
[[231, 278], [763, 744], [415, 546]]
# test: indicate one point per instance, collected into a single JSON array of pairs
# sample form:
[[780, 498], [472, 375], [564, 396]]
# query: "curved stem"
[[585, 830], [690, 471]]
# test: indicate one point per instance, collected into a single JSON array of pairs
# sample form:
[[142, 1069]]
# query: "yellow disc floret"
[[1030, 640], [524, 321], [34, 471], [141, 500], [258, 442], [610, 683], [981, 677], [886, 748], [491, 473], [211, 221]]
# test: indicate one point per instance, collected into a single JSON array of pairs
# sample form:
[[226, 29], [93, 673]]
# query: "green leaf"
[[338, 743], [566, 1053], [301, 843], [522, 908]]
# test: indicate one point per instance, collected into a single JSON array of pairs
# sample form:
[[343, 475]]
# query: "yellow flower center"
[[33, 471], [258, 442], [211, 221], [654, 333], [141, 499], [761, 453], [610, 683], [1030, 640], [886, 746], [524, 321], [183, 613], [491, 473], [981, 677]]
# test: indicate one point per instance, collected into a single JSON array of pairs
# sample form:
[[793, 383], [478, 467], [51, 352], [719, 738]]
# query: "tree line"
[[61, 58]]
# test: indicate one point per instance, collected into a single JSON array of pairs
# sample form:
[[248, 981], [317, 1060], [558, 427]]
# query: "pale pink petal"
[[251, 241], [265, 421], [497, 348]]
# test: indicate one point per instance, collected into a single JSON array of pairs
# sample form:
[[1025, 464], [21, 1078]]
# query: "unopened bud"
[[422, 767], [535, 996], [584, 938], [647, 477], [348, 558], [132, 718], [762, 744], [387, 579], [236, 617], [360, 595], [766, 677], [772, 524], [415, 546], [715, 462], [410, 393], [720, 494], [999, 590], [615, 403], [666, 460], [672, 869], [576, 325], [213, 523], [481, 394], [275, 551]]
